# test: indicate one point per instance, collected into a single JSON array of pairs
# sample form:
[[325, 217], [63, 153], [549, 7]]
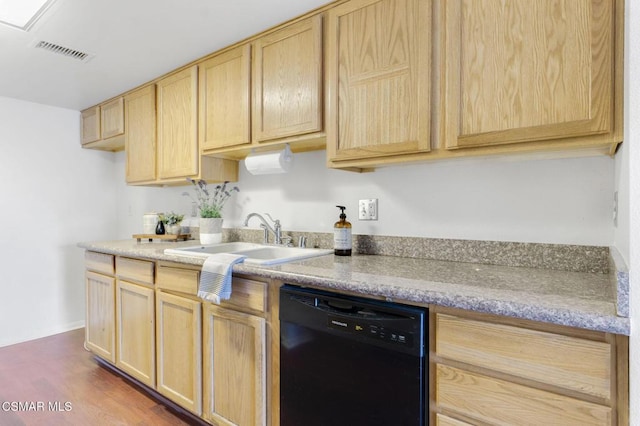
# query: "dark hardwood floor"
[[55, 381]]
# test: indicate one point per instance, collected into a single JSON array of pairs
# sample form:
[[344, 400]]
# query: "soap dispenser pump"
[[342, 235]]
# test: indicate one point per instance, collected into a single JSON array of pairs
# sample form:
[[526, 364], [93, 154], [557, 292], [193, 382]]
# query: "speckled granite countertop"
[[578, 299]]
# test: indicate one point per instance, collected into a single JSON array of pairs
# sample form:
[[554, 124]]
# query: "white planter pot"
[[210, 230], [174, 229]]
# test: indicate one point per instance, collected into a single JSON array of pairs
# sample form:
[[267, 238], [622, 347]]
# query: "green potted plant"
[[172, 222], [210, 203]]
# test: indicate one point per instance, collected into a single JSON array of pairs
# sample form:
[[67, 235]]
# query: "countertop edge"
[[621, 282]]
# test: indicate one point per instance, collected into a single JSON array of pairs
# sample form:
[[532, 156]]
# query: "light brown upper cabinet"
[[112, 118], [522, 71], [225, 99], [140, 135], [378, 78], [90, 125], [265, 92], [103, 126], [177, 122], [287, 77]]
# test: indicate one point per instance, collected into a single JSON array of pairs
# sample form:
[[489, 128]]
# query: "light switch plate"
[[368, 209]]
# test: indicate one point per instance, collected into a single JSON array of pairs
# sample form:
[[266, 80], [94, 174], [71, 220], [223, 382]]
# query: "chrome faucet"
[[276, 229]]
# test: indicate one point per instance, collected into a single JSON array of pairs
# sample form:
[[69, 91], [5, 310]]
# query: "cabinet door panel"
[[522, 71], [112, 118], [90, 125], [101, 322], [135, 312], [288, 81], [140, 135], [378, 67], [178, 154], [225, 99], [234, 367], [179, 350]]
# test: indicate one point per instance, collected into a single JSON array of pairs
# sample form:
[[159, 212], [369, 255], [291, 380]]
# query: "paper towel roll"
[[267, 163]]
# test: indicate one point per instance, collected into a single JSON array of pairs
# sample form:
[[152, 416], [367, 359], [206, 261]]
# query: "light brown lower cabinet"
[[234, 346], [100, 327], [442, 420], [179, 350], [135, 318], [490, 370], [221, 362]]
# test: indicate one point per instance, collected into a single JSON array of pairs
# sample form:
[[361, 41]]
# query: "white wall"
[[628, 240], [54, 194], [567, 201]]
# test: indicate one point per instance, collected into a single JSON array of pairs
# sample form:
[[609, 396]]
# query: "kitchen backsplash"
[[574, 258]]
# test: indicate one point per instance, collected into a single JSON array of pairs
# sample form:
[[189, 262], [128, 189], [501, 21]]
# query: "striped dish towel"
[[215, 278]]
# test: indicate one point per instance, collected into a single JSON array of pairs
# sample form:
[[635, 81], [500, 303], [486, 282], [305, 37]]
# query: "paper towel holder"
[[276, 161]]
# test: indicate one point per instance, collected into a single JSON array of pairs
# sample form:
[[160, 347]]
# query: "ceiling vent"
[[64, 51]]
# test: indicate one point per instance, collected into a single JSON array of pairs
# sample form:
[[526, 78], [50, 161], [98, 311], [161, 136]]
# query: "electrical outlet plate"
[[368, 209]]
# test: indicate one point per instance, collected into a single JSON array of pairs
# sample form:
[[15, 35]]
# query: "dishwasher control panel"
[[372, 331], [386, 325]]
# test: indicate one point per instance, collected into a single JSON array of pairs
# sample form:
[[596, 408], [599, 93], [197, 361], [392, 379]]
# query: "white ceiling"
[[133, 41]]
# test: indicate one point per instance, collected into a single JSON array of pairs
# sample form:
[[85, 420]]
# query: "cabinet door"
[[287, 77], [90, 125], [225, 99], [100, 328], [378, 76], [140, 135], [234, 367], [178, 155], [179, 350], [135, 319], [522, 71], [112, 118]]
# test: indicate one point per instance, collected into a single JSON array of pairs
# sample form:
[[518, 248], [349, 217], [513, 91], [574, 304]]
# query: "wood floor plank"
[[55, 381]]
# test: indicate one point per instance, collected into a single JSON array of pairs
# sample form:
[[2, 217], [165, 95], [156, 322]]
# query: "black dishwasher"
[[351, 361]]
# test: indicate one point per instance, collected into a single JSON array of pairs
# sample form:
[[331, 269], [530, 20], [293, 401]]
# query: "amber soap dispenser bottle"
[[342, 235]]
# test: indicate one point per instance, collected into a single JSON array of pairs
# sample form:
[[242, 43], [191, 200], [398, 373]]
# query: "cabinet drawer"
[[99, 262], [569, 362], [247, 294], [134, 269], [178, 279], [442, 420], [494, 401]]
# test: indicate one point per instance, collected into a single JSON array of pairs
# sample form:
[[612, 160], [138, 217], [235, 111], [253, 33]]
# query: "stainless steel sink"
[[256, 254]]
